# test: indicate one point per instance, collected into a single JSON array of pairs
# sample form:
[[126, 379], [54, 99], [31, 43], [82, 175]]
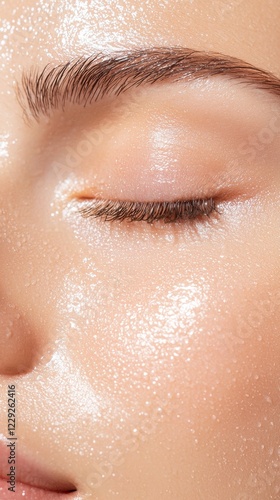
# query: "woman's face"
[[145, 357]]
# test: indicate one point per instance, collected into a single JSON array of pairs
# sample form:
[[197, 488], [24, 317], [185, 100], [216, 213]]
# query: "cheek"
[[156, 330], [188, 359]]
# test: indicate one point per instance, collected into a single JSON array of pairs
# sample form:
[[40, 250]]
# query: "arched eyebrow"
[[87, 79]]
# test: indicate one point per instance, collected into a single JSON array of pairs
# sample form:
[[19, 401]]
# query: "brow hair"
[[86, 79]]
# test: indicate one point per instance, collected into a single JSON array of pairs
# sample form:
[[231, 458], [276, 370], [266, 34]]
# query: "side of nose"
[[18, 343]]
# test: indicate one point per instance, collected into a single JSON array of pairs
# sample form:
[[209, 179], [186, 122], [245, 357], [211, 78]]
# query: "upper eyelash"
[[168, 211]]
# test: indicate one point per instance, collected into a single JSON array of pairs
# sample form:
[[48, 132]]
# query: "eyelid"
[[167, 211]]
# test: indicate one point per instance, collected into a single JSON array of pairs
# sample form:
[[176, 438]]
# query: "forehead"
[[64, 28]]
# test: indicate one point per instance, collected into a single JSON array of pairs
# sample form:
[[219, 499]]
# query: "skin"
[[145, 358]]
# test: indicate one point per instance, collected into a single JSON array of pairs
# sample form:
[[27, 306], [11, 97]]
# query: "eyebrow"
[[86, 79]]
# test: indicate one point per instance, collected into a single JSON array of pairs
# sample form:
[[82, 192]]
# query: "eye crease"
[[131, 211]]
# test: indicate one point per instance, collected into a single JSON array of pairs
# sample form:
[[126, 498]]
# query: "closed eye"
[[132, 211]]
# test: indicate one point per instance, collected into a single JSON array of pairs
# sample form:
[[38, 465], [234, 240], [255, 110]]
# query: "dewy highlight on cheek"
[[139, 250]]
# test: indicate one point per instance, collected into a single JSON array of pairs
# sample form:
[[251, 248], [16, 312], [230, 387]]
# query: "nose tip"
[[18, 343]]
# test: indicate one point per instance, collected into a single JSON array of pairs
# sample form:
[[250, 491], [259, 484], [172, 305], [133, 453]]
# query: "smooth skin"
[[145, 358]]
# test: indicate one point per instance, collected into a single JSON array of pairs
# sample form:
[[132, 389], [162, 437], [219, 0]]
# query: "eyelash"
[[131, 211]]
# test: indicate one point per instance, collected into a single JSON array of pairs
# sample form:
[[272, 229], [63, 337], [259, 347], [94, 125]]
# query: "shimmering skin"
[[145, 359]]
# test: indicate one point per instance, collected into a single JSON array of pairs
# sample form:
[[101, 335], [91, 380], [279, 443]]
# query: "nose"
[[18, 342]]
